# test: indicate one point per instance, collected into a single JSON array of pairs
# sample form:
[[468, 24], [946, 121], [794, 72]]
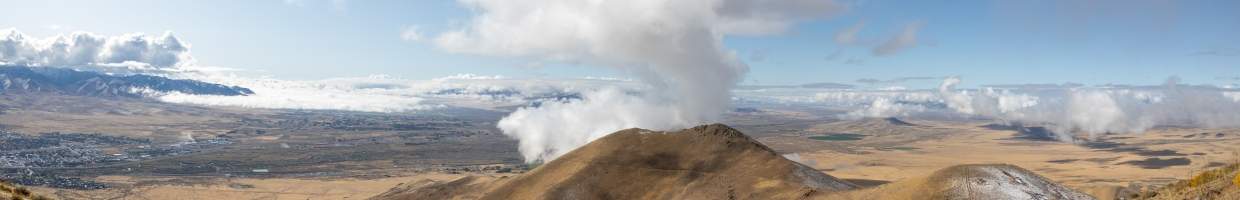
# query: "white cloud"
[[1086, 112], [884, 107], [84, 49], [384, 93], [958, 101], [411, 34], [674, 47], [597, 114], [1074, 112], [295, 2], [314, 95], [337, 5], [1235, 96]]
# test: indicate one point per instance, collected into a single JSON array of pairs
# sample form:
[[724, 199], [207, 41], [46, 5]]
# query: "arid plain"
[[866, 152]]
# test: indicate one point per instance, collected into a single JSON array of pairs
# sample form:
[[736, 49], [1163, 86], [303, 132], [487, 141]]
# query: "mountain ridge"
[[51, 80]]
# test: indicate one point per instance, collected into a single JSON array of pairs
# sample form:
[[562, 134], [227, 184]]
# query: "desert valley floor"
[[275, 154]]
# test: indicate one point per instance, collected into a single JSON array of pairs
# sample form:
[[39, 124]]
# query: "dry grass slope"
[[718, 162], [13, 192], [1220, 183], [705, 162]]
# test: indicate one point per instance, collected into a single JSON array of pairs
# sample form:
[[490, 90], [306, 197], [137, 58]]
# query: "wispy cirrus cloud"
[[1221, 51], [907, 38], [896, 80], [848, 36]]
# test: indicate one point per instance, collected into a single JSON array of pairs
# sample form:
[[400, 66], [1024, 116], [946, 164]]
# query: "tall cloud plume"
[[84, 49], [675, 47]]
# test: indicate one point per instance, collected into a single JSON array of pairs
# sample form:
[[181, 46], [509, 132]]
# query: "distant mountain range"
[[51, 80]]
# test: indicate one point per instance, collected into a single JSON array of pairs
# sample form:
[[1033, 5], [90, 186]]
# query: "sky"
[[986, 42]]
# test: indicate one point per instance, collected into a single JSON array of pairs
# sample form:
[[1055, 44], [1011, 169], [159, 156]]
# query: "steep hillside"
[[1220, 183], [705, 162], [718, 162], [13, 192]]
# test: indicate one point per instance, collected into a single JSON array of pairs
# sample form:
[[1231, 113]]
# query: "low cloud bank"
[[311, 95], [1074, 112], [382, 93], [1086, 112], [168, 56]]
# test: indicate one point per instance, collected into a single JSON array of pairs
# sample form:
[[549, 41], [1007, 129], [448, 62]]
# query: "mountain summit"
[[704, 162], [718, 162]]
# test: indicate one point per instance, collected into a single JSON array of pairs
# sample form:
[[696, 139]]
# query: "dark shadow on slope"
[[1035, 133], [1158, 163], [897, 121], [866, 183]]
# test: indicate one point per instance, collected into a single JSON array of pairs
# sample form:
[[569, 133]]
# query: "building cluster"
[[23, 157]]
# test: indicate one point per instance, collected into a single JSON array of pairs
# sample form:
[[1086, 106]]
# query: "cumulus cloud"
[[1074, 112], [906, 39], [884, 107], [958, 101], [1086, 112], [84, 49], [675, 47], [557, 128]]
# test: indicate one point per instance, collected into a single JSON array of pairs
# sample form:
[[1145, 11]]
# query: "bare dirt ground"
[[242, 188], [316, 155], [1101, 168]]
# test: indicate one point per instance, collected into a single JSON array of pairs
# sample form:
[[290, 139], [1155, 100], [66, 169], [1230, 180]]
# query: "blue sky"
[[986, 42]]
